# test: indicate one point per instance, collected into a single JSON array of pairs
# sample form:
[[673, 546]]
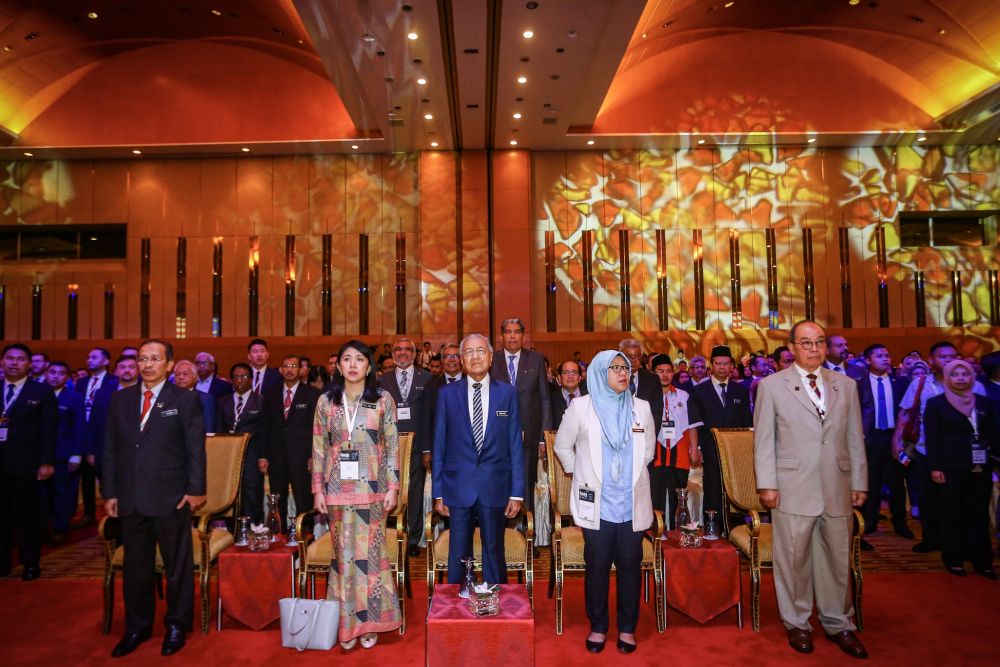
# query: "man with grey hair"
[[477, 468], [525, 370], [208, 381], [644, 384], [185, 376]]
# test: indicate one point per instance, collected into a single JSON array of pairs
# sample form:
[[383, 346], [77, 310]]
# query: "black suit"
[[31, 421], [272, 378], [532, 386], [705, 407], [288, 448], [420, 401], [219, 387], [252, 420], [148, 470], [649, 390], [993, 393], [93, 436], [882, 467], [559, 403]]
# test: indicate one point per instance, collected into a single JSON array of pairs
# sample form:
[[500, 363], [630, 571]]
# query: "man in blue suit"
[[63, 486], [96, 391], [476, 466]]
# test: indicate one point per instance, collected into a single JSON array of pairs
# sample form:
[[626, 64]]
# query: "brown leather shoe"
[[800, 640], [849, 644]]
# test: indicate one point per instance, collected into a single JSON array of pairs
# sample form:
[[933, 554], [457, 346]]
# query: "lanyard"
[[349, 417], [974, 420]]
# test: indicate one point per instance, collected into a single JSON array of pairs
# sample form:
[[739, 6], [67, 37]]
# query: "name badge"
[[3, 434], [638, 429], [370, 406], [300, 406], [402, 413], [169, 413], [668, 431], [978, 457], [586, 504], [350, 468], [501, 413]]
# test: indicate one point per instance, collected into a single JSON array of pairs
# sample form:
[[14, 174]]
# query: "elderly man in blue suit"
[[477, 471]]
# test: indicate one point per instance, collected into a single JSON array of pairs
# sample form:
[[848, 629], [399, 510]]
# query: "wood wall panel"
[[513, 245], [437, 257], [475, 246]]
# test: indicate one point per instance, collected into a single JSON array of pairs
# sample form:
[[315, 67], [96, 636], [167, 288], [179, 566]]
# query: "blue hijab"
[[614, 410]]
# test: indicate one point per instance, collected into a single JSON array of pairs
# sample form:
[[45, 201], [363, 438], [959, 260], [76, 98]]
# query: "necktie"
[[256, 381], [477, 416], [288, 400], [90, 397], [634, 384], [722, 393], [511, 369], [9, 397], [838, 369], [450, 380], [571, 397], [881, 416], [404, 386], [147, 402], [812, 385], [239, 408]]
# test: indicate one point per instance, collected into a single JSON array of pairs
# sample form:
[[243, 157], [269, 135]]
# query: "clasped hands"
[[771, 498], [511, 511]]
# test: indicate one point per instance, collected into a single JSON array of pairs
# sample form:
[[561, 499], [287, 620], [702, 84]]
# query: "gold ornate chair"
[[224, 469], [567, 541], [754, 540], [316, 554]]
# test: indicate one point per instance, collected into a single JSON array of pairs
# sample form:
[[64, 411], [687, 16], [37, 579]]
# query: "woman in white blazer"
[[605, 442]]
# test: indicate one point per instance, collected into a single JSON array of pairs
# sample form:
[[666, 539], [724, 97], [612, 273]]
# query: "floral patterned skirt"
[[360, 575]]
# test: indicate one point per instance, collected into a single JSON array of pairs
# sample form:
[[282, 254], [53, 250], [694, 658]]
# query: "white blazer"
[[578, 446]]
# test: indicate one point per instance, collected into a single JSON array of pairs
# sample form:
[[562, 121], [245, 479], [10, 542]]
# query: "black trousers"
[[930, 513], [62, 489], [295, 475], [415, 498], [252, 491], [964, 517], [617, 544], [530, 475], [140, 536], [88, 488], [663, 484], [711, 481], [23, 515], [883, 469]]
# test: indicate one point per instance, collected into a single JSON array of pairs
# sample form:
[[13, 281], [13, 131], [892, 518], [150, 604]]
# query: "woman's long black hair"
[[370, 393]]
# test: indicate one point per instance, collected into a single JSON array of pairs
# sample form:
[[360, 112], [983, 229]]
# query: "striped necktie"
[[477, 416]]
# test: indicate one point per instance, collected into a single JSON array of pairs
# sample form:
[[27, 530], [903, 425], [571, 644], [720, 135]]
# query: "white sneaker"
[[347, 646], [369, 640]]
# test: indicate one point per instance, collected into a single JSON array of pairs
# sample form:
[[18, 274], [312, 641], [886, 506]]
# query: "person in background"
[[681, 379], [96, 392], [263, 377], [962, 434], [318, 377], [605, 442], [331, 364], [127, 371], [836, 354], [243, 412], [991, 369], [699, 371], [642, 383], [425, 356], [918, 369], [355, 471], [185, 377], [39, 363], [305, 363], [69, 451], [676, 444], [208, 380], [435, 367], [451, 366], [387, 365], [783, 358], [568, 387]]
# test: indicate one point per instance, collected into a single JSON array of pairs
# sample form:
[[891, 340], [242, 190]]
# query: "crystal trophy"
[[292, 540], [273, 516], [242, 531], [469, 582], [712, 529], [682, 516]]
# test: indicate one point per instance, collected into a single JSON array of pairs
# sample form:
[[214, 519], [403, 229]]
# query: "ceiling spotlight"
[[136, 151], [422, 81], [513, 142], [91, 15], [245, 149], [590, 142], [644, 35], [27, 154], [412, 36], [354, 147], [921, 138], [852, 3], [811, 140], [522, 79], [216, 12], [729, 4], [941, 31], [517, 116], [701, 142], [434, 144], [428, 116], [527, 34]]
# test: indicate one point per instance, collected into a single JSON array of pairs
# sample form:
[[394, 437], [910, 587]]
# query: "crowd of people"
[[922, 434]]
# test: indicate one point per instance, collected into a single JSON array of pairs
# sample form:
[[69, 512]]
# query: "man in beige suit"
[[810, 463]]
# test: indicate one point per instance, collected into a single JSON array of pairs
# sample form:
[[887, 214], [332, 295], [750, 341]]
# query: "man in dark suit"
[[262, 377], [569, 387], [63, 486], [154, 478], [880, 395], [717, 403], [185, 377], [28, 419], [96, 391], [477, 465], [991, 370], [243, 412], [451, 365], [289, 411], [525, 369], [208, 381], [410, 387], [644, 384]]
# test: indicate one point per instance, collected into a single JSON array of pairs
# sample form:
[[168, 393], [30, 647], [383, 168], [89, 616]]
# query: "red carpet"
[[912, 619]]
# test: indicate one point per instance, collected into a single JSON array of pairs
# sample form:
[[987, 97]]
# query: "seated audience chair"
[[224, 468], [567, 541], [315, 554], [753, 538]]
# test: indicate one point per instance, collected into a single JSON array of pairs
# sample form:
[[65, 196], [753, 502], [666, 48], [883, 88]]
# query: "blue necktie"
[[881, 413], [9, 397], [477, 416], [511, 371]]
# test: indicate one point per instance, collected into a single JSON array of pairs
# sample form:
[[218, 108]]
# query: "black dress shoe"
[[903, 531], [173, 640], [414, 551], [866, 546], [595, 647], [625, 647], [800, 640], [31, 573], [986, 572], [925, 548], [129, 643], [958, 571]]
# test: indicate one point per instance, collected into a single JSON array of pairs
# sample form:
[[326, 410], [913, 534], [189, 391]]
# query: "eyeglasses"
[[289, 365], [155, 359], [571, 373], [452, 356], [618, 368], [403, 349], [811, 344], [477, 352], [240, 377]]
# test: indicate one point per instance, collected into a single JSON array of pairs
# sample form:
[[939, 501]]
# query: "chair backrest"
[[405, 444], [560, 483], [737, 462], [223, 471]]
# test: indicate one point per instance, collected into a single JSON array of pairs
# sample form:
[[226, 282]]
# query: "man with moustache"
[[208, 381], [243, 412], [809, 457], [69, 451], [568, 387], [39, 363], [154, 478], [127, 371], [186, 377], [451, 366], [477, 466]]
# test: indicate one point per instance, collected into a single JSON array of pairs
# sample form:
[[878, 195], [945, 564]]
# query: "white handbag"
[[309, 623]]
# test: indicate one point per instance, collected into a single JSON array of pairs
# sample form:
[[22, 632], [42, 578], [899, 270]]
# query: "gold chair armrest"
[[658, 522], [530, 532], [755, 523], [429, 527], [301, 534], [859, 523], [556, 524]]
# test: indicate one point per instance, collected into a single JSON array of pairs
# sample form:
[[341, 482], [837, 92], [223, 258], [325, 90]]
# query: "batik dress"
[[360, 576]]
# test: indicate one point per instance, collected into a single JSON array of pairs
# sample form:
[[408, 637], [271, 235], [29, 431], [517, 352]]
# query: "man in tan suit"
[[810, 463]]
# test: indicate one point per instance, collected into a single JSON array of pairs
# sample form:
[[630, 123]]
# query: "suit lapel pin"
[[159, 405]]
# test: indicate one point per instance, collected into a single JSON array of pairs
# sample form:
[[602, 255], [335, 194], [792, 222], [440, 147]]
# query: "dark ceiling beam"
[[446, 17], [494, 12]]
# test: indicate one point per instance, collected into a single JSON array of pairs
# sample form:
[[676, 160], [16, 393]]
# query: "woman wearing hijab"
[[355, 481], [605, 442], [961, 433]]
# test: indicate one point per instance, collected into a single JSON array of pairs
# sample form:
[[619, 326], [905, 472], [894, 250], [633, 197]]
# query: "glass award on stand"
[[469, 582]]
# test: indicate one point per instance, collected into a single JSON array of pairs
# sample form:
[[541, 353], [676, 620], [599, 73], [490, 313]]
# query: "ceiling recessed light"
[[422, 81], [522, 79], [27, 154], [245, 149], [354, 147], [590, 142], [811, 140], [136, 151], [941, 31], [216, 12], [527, 34], [411, 36], [517, 116], [513, 142], [852, 3], [91, 15], [921, 138], [729, 4], [428, 116], [434, 144], [8, 48], [644, 35], [701, 141]]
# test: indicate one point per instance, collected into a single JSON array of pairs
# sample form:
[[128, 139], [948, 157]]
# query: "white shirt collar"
[[156, 390], [18, 385]]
